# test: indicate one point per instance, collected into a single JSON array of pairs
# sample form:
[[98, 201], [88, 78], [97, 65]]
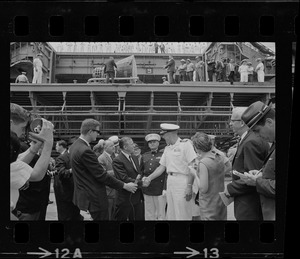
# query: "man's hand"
[[130, 187], [252, 175], [46, 133], [146, 181], [188, 192]]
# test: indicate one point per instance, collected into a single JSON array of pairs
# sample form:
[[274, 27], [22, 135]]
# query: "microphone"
[[137, 178]]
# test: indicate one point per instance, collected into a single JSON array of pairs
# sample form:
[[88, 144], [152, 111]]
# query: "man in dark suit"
[[64, 185], [170, 66], [109, 70], [250, 155], [89, 176], [261, 119], [126, 167]]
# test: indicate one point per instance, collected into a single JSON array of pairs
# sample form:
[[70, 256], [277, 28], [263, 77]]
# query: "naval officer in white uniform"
[[177, 156]]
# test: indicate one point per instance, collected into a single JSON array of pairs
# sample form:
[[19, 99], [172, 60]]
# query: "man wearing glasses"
[[90, 178], [261, 119], [250, 155]]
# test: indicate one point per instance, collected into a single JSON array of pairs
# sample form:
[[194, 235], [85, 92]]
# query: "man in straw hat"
[[177, 157], [165, 82], [155, 201], [182, 70], [261, 119]]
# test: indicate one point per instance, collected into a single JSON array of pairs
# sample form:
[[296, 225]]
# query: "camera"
[[36, 125]]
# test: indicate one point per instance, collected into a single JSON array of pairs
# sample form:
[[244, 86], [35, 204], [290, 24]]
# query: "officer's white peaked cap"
[[167, 127], [152, 136]]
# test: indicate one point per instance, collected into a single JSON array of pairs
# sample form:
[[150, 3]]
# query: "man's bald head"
[[237, 112]]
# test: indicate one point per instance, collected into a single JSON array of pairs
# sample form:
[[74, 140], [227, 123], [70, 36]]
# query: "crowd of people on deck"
[[129, 47], [224, 70], [115, 180]]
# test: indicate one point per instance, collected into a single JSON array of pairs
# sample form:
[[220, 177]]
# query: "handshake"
[[132, 187], [146, 181]]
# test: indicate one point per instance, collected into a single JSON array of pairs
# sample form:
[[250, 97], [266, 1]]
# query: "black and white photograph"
[[142, 131]]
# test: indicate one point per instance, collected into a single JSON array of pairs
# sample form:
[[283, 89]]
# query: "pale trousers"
[[260, 76], [178, 208], [37, 76], [244, 77], [155, 207]]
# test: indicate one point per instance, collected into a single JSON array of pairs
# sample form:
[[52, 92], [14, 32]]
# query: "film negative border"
[[153, 239]]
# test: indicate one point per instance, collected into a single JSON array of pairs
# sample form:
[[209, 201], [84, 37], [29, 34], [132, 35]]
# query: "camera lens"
[[36, 125]]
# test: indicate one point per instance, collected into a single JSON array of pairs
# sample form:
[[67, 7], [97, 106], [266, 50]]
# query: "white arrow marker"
[[45, 253], [191, 253]]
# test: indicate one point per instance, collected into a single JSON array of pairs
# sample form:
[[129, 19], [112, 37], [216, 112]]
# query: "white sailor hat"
[[212, 136], [40, 54], [114, 139], [152, 136], [167, 127], [23, 72]]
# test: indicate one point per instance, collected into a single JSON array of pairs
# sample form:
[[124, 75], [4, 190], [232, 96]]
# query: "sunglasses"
[[98, 131]]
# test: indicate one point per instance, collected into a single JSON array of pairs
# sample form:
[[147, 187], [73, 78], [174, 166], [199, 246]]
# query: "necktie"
[[131, 160], [112, 156]]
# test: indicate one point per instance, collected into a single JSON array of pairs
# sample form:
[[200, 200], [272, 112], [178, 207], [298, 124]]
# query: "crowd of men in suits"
[[182, 181]]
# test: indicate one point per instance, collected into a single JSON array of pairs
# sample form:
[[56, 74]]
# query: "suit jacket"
[[125, 171], [63, 186], [266, 188], [109, 66], [250, 155], [106, 162], [89, 176], [170, 65]]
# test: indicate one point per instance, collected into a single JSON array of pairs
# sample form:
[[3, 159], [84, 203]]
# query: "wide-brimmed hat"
[[254, 113], [188, 60], [182, 60], [152, 136], [114, 139], [167, 127]]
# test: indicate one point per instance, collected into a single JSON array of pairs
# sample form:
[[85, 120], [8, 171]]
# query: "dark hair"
[[62, 143], [124, 141], [202, 141], [88, 124], [14, 146]]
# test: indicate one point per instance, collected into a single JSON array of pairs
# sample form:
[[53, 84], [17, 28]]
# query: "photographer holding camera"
[[21, 174]]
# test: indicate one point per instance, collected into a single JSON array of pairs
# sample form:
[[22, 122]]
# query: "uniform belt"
[[174, 174]]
